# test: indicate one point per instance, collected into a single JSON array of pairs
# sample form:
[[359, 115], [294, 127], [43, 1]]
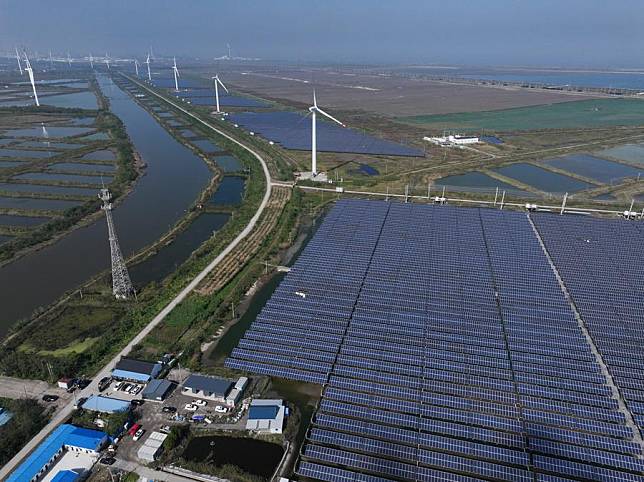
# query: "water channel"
[[173, 179]]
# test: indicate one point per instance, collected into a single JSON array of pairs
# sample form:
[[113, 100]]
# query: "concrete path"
[[62, 415]]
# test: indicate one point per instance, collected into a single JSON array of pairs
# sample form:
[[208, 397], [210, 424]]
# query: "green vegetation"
[[113, 421], [565, 115], [28, 418]]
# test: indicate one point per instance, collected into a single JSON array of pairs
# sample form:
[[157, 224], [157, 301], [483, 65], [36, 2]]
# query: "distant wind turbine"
[[107, 61], [18, 59], [314, 110], [69, 59], [218, 82], [176, 74], [51, 60], [91, 61], [30, 71], [147, 62], [136, 67]]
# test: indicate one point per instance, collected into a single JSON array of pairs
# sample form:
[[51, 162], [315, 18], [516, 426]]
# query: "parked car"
[[200, 403], [127, 387], [136, 389], [79, 402], [169, 409], [134, 428], [207, 420], [50, 398], [104, 383], [137, 402], [111, 448], [108, 460], [165, 429], [220, 409], [118, 385], [139, 433], [83, 383], [190, 407]]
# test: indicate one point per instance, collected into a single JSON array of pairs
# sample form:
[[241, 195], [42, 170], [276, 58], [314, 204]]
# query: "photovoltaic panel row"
[[293, 131], [455, 330]]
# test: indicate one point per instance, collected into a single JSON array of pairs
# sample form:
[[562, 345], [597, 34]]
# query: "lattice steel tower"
[[121, 284]]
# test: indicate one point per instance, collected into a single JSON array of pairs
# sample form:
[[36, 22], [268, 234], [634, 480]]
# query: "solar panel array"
[[447, 351], [207, 97], [602, 266], [293, 131]]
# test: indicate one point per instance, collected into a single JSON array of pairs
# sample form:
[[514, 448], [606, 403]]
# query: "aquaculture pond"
[[51, 131], [50, 145], [207, 146], [219, 451], [11, 163], [172, 255], [79, 166], [28, 154], [140, 219], [593, 167], [11, 220], [229, 163], [230, 191], [80, 100], [542, 179], [47, 176], [99, 136], [73, 191], [102, 155], [36, 204], [475, 181], [627, 152], [4, 238]]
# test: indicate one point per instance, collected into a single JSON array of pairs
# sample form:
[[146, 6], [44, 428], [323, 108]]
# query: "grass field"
[[567, 115]]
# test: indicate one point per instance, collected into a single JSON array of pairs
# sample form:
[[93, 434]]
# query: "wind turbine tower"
[[121, 284], [18, 59], [107, 61], [147, 62], [91, 61], [218, 82], [136, 67], [30, 71], [69, 59], [176, 74], [314, 110]]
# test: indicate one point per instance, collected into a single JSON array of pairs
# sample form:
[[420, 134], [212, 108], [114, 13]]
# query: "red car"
[[134, 428]]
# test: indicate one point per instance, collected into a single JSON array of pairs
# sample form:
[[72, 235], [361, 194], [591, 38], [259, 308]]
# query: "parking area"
[[16, 388], [124, 390]]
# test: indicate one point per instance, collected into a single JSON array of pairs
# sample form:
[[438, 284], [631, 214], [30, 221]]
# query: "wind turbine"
[[147, 62], [91, 61], [30, 71], [18, 59], [218, 82], [69, 59], [51, 61], [314, 110], [136, 67], [107, 61], [176, 74]]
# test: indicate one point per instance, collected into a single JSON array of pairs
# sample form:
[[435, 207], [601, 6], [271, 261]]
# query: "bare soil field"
[[386, 94]]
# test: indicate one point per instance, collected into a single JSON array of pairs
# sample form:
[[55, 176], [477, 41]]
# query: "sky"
[[568, 33]]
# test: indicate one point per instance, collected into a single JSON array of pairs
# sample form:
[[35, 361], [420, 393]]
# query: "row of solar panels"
[[555, 408]]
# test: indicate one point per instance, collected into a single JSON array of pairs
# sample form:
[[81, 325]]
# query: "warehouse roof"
[[217, 386], [66, 476], [64, 435], [136, 366], [157, 389], [98, 403]]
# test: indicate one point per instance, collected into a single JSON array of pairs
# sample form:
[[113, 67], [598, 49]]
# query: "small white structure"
[[452, 140], [152, 447], [266, 416]]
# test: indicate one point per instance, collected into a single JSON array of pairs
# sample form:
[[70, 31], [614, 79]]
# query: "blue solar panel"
[[448, 350], [293, 131]]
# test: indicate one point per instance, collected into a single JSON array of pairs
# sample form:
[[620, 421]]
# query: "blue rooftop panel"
[[98, 403], [66, 476], [263, 413]]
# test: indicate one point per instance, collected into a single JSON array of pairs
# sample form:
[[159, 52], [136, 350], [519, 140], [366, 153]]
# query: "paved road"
[[106, 370], [17, 388], [149, 474]]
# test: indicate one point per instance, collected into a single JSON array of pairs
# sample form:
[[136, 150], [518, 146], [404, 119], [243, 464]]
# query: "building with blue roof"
[[5, 416], [266, 416], [64, 438], [66, 476], [99, 403]]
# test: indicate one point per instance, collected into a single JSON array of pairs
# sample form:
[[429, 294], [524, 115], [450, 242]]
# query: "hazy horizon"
[[573, 34]]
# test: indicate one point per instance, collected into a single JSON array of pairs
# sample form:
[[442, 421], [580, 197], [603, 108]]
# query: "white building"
[[452, 140], [152, 447]]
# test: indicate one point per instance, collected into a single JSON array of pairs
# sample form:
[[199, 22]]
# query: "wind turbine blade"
[[222, 84], [315, 102], [329, 116]]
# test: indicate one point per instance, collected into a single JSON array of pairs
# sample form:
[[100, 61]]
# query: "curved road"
[[62, 415]]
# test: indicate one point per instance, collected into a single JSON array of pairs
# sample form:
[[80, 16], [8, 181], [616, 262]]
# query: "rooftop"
[[203, 383], [64, 435], [98, 403], [136, 366]]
